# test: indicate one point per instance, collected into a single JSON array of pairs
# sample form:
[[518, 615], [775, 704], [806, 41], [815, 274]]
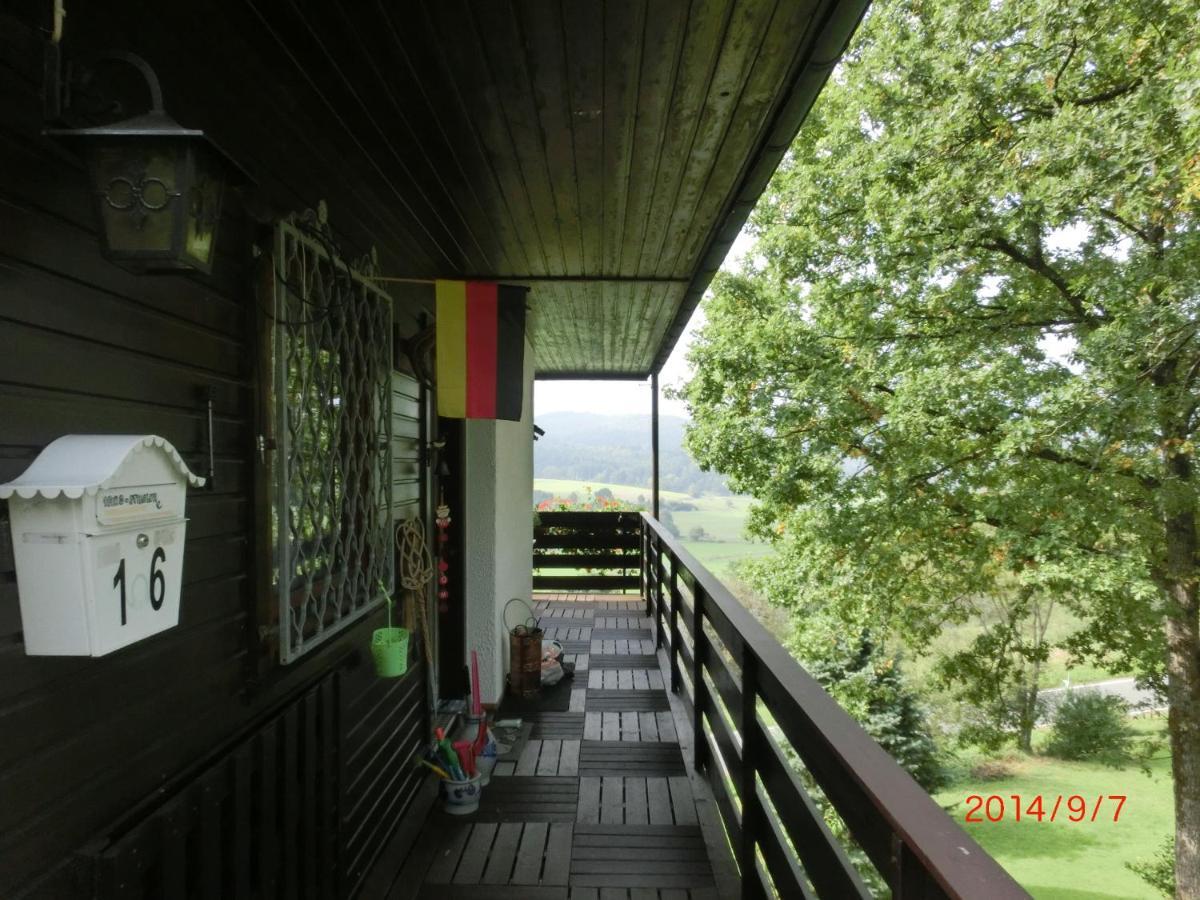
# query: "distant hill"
[[616, 450]]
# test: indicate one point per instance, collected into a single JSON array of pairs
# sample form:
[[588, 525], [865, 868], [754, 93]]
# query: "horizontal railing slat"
[[608, 520], [725, 682], [787, 876], [730, 753], [586, 561], [587, 541], [585, 583]]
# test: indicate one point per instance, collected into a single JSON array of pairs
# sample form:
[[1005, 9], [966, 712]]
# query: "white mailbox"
[[98, 533]]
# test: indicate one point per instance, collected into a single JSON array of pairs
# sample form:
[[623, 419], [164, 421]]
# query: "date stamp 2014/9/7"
[[1073, 808]]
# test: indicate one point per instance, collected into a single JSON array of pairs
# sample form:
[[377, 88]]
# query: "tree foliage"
[[963, 356], [868, 683]]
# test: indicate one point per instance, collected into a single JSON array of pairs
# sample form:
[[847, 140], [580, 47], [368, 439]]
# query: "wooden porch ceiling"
[[606, 153], [609, 149]]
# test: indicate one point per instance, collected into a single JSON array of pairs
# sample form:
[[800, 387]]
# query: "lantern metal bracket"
[[58, 97]]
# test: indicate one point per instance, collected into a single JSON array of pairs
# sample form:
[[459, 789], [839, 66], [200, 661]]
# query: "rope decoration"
[[416, 571]]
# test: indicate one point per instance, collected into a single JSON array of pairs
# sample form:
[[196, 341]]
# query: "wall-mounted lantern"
[[157, 186]]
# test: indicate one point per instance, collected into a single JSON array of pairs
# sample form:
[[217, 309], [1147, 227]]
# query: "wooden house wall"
[[88, 348]]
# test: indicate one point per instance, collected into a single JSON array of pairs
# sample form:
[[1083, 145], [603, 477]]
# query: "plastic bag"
[[552, 670]]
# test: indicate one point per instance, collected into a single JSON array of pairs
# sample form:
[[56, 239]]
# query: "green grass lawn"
[[955, 637], [1066, 860], [721, 558]]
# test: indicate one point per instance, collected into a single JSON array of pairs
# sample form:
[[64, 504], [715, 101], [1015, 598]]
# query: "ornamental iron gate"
[[331, 520]]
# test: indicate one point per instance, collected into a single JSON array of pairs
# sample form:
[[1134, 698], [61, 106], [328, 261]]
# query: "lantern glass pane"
[[136, 185], [203, 213]]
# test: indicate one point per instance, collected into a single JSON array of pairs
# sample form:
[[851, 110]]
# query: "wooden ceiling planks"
[[665, 27], [590, 142]]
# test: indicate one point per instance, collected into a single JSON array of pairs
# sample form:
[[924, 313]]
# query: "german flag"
[[480, 349]]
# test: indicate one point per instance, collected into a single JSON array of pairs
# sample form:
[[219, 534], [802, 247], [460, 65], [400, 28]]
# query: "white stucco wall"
[[498, 536]]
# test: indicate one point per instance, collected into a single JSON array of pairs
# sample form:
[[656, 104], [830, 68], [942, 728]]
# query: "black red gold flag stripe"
[[480, 349]]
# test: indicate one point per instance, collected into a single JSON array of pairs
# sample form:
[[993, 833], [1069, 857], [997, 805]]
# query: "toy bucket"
[[461, 798], [389, 647]]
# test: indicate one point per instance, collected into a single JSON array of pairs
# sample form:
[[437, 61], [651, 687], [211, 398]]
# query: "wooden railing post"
[[699, 691], [647, 538], [674, 625], [658, 594], [752, 812]]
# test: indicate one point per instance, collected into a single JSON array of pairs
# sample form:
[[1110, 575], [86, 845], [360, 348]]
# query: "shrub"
[[1158, 870], [991, 770], [867, 682], [1090, 725]]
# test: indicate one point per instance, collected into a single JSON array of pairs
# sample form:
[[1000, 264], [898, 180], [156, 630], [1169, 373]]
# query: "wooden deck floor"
[[598, 804]]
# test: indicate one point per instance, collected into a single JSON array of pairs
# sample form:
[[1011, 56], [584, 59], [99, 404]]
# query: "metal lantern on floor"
[[157, 186]]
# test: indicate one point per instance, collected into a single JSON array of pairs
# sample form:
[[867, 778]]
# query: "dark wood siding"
[[87, 348]]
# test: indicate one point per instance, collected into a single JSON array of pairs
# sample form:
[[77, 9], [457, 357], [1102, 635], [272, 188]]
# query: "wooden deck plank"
[[626, 758], [612, 800], [474, 858], [528, 869], [527, 762], [625, 661], [558, 855], [504, 854], [589, 801], [568, 761], [556, 725], [528, 799], [445, 859], [658, 801], [683, 804], [547, 763], [627, 701], [636, 812]]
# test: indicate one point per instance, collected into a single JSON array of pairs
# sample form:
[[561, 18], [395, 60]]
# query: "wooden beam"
[[654, 442]]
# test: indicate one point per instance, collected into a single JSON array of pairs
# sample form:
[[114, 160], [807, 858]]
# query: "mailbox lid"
[[84, 464]]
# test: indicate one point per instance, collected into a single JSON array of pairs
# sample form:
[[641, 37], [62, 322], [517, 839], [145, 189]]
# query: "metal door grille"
[[332, 518]]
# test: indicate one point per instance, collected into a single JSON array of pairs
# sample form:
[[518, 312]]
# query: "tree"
[[868, 682], [964, 353], [997, 674]]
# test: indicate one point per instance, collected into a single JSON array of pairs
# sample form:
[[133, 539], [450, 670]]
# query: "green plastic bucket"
[[389, 647]]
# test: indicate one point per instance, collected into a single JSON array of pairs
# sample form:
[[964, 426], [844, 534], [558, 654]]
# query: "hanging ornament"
[[442, 521]]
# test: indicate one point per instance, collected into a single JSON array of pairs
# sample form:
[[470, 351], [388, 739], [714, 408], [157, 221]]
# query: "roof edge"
[[839, 21]]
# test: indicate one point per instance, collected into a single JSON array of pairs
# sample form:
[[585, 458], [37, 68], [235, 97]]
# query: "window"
[[331, 402]]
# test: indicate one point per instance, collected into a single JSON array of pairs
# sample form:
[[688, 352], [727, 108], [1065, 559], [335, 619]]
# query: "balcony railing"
[[756, 713], [753, 708], [587, 551]]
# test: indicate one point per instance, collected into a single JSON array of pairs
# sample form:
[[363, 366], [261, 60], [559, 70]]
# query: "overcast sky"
[[621, 397]]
